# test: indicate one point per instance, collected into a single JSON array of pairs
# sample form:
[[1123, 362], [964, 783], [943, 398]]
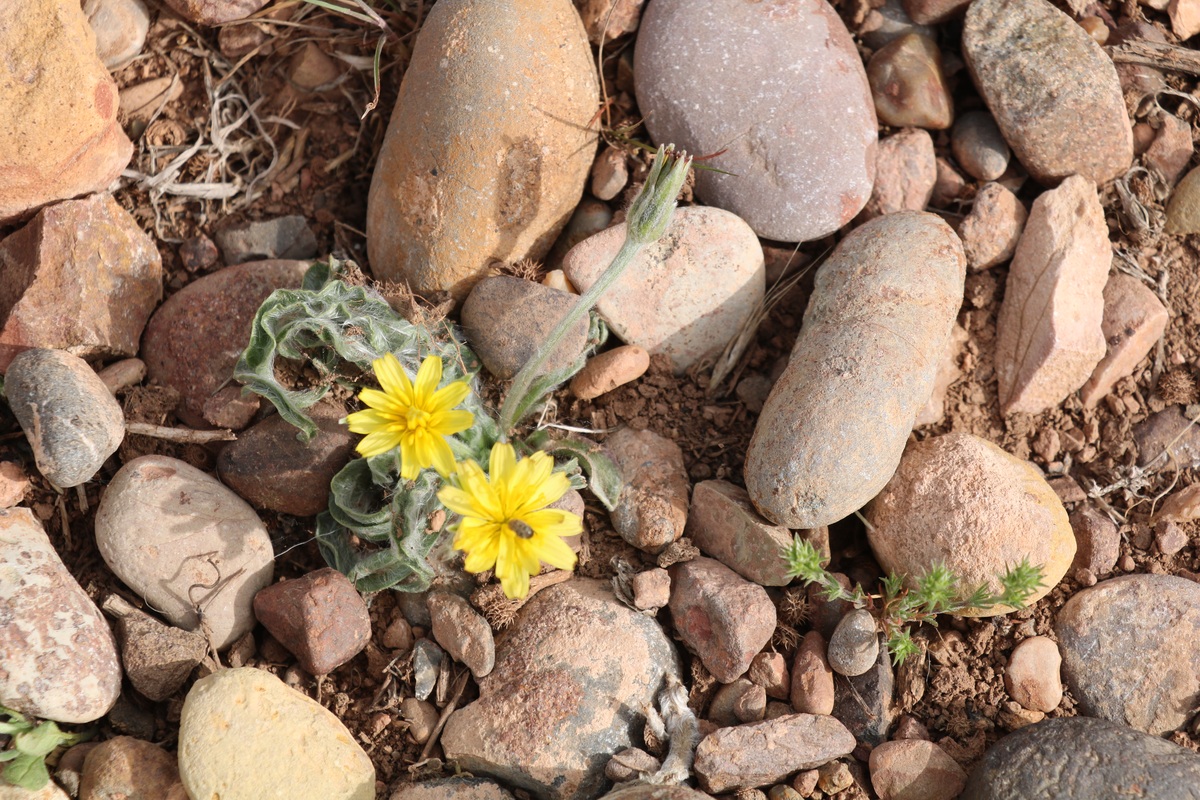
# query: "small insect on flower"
[[505, 522], [417, 418]]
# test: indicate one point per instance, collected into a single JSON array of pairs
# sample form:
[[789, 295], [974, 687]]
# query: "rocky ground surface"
[[987, 341]]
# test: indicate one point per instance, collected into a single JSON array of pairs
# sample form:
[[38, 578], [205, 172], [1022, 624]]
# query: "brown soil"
[[957, 690]]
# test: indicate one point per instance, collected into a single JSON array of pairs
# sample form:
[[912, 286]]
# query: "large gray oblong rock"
[[761, 753], [1054, 93], [71, 419], [1084, 759], [1131, 650], [798, 140], [877, 327], [489, 146], [184, 542], [572, 679], [58, 657]]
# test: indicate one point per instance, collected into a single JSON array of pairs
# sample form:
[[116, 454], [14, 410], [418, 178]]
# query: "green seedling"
[[898, 605], [30, 743]]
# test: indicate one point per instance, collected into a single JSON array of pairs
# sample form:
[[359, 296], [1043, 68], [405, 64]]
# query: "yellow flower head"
[[416, 418], [505, 522]]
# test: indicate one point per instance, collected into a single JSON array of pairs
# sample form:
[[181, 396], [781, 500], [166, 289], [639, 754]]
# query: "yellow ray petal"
[[448, 396], [428, 378], [375, 443], [392, 379]]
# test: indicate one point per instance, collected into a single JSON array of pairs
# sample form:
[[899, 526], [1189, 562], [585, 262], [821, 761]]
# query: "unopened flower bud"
[[652, 210]]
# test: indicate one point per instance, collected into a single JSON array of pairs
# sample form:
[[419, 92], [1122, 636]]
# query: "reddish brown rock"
[[812, 690], [1167, 441], [949, 187], [469, 173], [770, 671], [763, 753], [910, 769], [611, 369], [653, 508], [61, 138], [720, 616], [991, 232], [320, 617], [908, 86], [610, 173], [1181, 506], [1032, 675], [126, 767], [724, 524], [1185, 18], [1021, 53], [14, 483], [80, 277], [195, 338], [1049, 334], [651, 588], [269, 467], [1172, 148], [905, 174], [731, 698], [1097, 541], [214, 12], [1134, 320]]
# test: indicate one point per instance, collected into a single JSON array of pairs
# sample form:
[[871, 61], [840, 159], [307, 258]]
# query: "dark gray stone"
[[865, 702], [1084, 759], [70, 418], [1168, 427], [282, 237]]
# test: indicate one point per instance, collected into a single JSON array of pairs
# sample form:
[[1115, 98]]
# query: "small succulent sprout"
[[898, 603]]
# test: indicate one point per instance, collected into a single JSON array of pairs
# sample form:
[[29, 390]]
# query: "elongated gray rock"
[[489, 146], [763, 753], [555, 709], [1084, 759], [1054, 93], [877, 327], [1131, 650], [58, 657], [798, 140], [70, 418]]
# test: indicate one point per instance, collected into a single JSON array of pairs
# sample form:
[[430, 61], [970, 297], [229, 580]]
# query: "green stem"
[[533, 367]]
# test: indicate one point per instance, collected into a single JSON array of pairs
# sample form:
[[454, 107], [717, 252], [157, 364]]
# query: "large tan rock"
[[1048, 335], [80, 277], [59, 135], [962, 501], [877, 327], [489, 146]]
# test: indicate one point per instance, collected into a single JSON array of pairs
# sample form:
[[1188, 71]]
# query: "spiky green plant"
[[898, 606]]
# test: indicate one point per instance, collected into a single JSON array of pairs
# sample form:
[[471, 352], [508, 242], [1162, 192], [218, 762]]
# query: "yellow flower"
[[505, 522], [416, 418]]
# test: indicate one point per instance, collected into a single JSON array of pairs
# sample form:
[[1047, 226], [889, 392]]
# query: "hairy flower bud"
[[652, 210]]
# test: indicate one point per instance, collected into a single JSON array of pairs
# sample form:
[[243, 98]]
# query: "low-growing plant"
[[30, 743], [898, 605], [434, 457]]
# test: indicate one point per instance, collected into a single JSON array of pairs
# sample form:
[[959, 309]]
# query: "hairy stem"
[[533, 367]]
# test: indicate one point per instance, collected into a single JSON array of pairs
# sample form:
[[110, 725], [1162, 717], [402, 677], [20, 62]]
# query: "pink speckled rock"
[[763, 753], [58, 657], [1134, 319], [991, 232], [798, 138], [214, 12], [686, 295], [60, 137], [1048, 335]]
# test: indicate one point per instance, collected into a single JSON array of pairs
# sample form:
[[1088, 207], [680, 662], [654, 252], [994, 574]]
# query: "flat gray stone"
[[1084, 759]]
